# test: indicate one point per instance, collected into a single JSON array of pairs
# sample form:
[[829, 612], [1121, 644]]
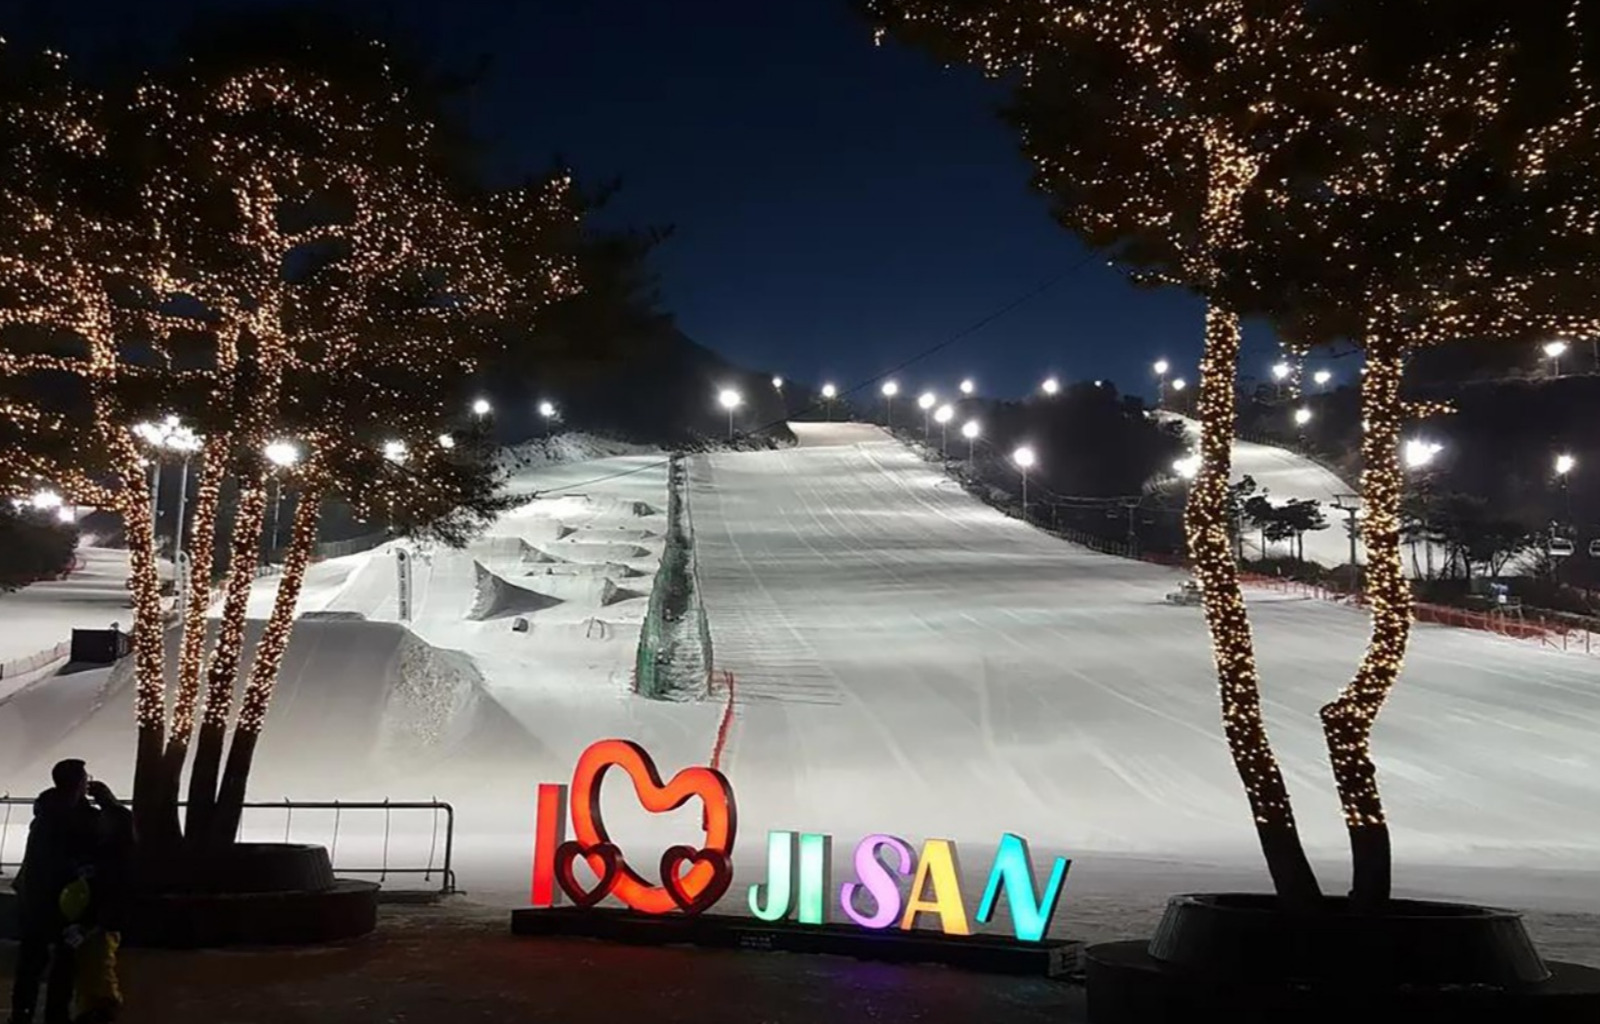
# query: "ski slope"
[[907, 660], [919, 662]]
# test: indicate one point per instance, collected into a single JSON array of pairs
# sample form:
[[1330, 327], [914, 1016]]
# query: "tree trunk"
[[1347, 721], [1206, 522], [264, 673], [225, 658], [149, 649]]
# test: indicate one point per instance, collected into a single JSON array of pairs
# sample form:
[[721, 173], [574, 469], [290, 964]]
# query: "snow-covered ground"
[[38, 617], [906, 660]]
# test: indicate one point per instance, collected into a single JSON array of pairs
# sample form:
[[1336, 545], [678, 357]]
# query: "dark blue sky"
[[839, 207]]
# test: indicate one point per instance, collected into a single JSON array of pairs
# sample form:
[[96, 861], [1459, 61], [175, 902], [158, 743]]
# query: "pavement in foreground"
[[461, 965]]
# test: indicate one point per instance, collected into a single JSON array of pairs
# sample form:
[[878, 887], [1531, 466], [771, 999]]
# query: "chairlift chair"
[[1562, 547], [1594, 548]]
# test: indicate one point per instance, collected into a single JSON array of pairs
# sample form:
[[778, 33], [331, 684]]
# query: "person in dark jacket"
[[96, 908], [62, 841]]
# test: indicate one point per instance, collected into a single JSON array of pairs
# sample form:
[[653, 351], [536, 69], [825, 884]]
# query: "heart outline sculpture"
[[721, 821], [721, 877], [610, 869]]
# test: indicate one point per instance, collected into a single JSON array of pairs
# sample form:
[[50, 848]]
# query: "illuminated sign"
[[798, 885]]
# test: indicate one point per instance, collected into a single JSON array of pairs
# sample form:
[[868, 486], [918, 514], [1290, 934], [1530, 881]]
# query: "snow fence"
[[674, 660]]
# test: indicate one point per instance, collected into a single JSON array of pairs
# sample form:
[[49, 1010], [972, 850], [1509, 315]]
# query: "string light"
[[357, 363]]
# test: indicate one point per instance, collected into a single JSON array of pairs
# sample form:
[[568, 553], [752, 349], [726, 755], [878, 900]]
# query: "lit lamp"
[[1161, 367], [481, 407], [1051, 386], [777, 383], [967, 387], [285, 455], [730, 400], [446, 442], [970, 430], [1322, 378], [1025, 459], [1553, 351], [1179, 384], [926, 401], [942, 416], [889, 389], [547, 410], [1302, 416]]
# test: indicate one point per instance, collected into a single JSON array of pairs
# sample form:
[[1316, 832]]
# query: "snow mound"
[[357, 704], [496, 597], [615, 570], [597, 551], [568, 447]]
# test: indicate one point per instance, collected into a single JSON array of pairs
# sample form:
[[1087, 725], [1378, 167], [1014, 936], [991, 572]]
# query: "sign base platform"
[[987, 953]]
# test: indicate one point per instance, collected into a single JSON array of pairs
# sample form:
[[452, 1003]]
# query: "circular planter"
[[254, 894], [1238, 956]]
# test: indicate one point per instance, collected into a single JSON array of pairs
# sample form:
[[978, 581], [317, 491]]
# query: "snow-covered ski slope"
[[906, 659], [917, 661]]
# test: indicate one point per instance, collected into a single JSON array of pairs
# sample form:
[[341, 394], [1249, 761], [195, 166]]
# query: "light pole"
[[970, 430], [285, 455], [926, 401], [547, 409], [943, 416], [1553, 351], [1024, 458], [889, 389], [1178, 385], [1161, 367], [829, 393], [170, 435], [730, 400], [1280, 373], [1418, 455], [1565, 464], [1302, 417]]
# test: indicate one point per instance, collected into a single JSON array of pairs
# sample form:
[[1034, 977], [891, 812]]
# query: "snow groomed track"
[[920, 662]]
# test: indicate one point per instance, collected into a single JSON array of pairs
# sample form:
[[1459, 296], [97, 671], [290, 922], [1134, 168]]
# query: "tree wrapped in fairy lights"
[[282, 255], [1395, 176], [1457, 200], [1153, 126]]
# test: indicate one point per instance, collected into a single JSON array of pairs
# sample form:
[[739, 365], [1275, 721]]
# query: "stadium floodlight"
[[830, 392], [971, 429], [1161, 367], [282, 454], [1179, 384], [547, 410], [1322, 377], [944, 414], [481, 407], [1302, 416], [1051, 386], [927, 400], [777, 383], [1565, 464], [968, 387], [890, 389]]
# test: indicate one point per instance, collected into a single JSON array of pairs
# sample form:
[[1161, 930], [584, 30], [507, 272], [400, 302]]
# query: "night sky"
[[838, 207]]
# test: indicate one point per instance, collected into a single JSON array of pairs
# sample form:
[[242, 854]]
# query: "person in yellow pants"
[[93, 906]]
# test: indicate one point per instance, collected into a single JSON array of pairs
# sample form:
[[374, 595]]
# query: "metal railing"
[[265, 825]]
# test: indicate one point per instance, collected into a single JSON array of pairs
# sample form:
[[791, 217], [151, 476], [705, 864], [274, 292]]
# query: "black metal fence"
[[420, 845]]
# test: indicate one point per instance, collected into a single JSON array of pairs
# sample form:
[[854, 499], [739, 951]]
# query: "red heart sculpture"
[[721, 877], [609, 871], [720, 820]]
